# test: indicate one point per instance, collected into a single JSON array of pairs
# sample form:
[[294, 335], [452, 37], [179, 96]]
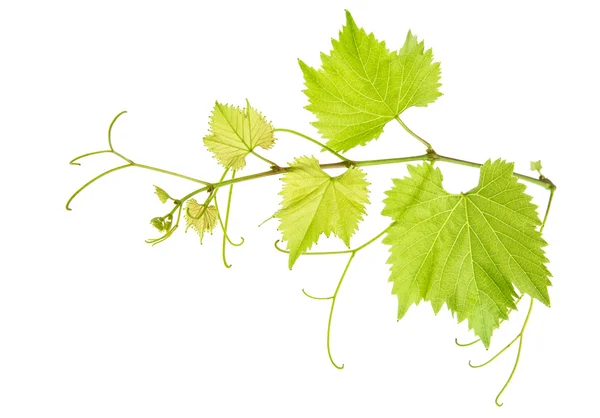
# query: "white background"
[[96, 323]]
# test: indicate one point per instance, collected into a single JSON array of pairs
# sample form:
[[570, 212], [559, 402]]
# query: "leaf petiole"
[[314, 141], [266, 160], [421, 140]]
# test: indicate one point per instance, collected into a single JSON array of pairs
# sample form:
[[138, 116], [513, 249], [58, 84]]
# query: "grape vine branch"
[[477, 252]]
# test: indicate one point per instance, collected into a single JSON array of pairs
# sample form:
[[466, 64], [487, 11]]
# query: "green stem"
[[229, 196], [339, 285], [266, 220], [233, 181], [210, 197], [545, 183], [72, 162], [383, 161], [407, 129], [333, 298], [171, 173], [271, 163], [466, 344], [514, 369], [375, 238], [316, 297], [130, 163], [99, 176], [314, 141], [110, 138], [497, 354], [204, 207], [547, 209], [155, 241], [224, 226], [355, 250], [110, 130], [223, 255]]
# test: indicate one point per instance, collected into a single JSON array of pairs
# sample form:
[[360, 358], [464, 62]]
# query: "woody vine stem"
[[478, 253], [430, 155]]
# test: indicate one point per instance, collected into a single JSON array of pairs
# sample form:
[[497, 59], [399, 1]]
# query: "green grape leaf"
[[162, 195], [235, 133], [467, 250], [158, 223], [536, 166], [315, 203], [207, 218], [362, 86]]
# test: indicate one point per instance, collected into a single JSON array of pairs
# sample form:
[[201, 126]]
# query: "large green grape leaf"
[[467, 250], [200, 219], [362, 86], [235, 133], [315, 203]]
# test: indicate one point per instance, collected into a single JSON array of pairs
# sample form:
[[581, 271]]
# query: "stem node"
[[431, 154]]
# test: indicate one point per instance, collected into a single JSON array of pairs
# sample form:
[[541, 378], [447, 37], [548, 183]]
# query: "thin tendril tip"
[[315, 297], [240, 243], [466, 344], [281, 250], [266, 220]]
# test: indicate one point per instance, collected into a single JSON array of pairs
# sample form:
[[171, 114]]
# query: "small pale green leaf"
[[362, 85], [466, 250], [235, 133], [158, 223], [536, 166], [207, 219], [162, 195], [315, 203]]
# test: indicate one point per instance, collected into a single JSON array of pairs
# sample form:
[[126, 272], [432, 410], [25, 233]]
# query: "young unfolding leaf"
[[315, 203], [207, 219], [162, 224], [158, 223], [536, 166], [362, 85], [162, 195], [466, 250], [235, 133]]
